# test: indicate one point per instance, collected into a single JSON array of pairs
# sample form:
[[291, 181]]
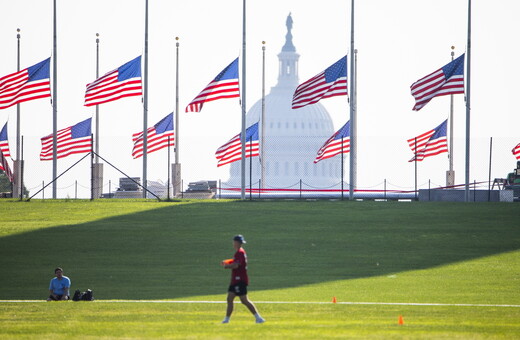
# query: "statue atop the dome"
[[288, 47]]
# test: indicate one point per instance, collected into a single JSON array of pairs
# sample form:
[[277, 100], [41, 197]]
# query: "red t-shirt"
[[240, 274]]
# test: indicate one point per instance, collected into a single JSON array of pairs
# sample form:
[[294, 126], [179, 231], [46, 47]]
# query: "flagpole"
[[145, 104], [177, 167], [98, 167], [342, 169], [21, 171], [168, 185], [97, 106], [450, 177], [250, 168], [262, 143], [352, 171], [243, 134], [17, 187], [415, 161], [91, 167], [468, 103], [55, 110], [354, 95]]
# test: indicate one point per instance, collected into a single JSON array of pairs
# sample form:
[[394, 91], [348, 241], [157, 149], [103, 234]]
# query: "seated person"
[[59, 286]]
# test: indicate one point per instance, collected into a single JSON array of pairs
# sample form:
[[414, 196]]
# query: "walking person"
[[239, 280]]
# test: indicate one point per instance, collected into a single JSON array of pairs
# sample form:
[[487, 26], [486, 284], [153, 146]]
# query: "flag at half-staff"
[[516, 151], [338, 143], [124, 81], [4, 166], [225, 85], [329, 83], [449, 79], [28, 84], [72, 140], [232, 152], [4, 142], [431, 143], [159, 136]]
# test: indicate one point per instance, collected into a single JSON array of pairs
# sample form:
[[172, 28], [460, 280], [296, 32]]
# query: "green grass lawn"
[[201, 321], [395, 252]]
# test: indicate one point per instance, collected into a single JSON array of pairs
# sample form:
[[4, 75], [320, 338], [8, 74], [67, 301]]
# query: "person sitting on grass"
[[59, 286], [239, 280]]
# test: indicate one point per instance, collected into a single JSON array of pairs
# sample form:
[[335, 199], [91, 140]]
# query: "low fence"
[[384, 190], [302, 190]]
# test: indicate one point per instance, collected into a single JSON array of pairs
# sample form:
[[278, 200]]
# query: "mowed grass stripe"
[[287, 303], [202, 321], [149, 250]]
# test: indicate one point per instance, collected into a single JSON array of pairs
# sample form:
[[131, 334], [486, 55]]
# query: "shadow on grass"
[[174, 251]]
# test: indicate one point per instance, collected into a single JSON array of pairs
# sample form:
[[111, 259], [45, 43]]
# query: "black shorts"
[[239, 289], [59, 297]]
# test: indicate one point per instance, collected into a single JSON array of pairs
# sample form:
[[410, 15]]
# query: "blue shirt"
[[58, 286]]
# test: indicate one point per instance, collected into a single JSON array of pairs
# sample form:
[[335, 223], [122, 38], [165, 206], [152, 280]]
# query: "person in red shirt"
[[239, 280]]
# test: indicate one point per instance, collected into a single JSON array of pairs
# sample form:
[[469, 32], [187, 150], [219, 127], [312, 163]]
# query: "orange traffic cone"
[[334, 299], [400, 321]]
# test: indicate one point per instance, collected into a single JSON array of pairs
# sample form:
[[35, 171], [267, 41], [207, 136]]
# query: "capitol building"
[[292, 137]]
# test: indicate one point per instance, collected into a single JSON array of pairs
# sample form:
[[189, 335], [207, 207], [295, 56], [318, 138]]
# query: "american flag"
[[516, 151], [232, 150], [225, 85], [71, 140], [4, 166], [447, 80], [4, 142], [334, 145], [122, 82], [430, 143], [329, 83], [27, 84], [157, 137]]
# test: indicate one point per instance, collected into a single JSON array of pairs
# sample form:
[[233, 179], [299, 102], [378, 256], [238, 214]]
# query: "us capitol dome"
[[292, 137]]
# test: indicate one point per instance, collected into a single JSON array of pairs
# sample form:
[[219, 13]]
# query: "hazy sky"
[[399, 42]]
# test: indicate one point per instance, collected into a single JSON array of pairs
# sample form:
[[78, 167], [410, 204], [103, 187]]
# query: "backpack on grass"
[[87, 295]]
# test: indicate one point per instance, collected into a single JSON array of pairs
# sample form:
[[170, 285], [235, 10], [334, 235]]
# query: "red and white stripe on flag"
[[18, 87], [4, 147], [332, 148], [66, 145], [154, 141], [449, 79], [329, 83], [108, 88], [215, 90], [516, 151], [224, 85], [232, 151], [4, 166], [125, 81], [422, 146]]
